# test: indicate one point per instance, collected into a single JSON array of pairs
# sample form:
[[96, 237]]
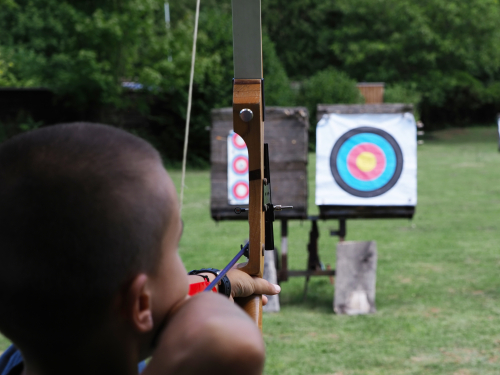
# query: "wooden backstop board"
[[286, 132]]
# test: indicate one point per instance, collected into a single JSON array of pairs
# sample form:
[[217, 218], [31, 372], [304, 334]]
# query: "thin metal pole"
[[167, 15], [190, 98], [167, 24]]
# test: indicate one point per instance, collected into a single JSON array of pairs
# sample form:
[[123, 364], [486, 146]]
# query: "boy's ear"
[[140, 304]]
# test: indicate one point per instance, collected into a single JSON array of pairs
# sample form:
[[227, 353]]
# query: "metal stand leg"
[[313, 262], [283, 273], [341, 232], [329, 268], [314, 265]]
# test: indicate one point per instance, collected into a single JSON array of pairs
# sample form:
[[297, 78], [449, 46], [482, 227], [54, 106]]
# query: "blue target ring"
[[366, 162]]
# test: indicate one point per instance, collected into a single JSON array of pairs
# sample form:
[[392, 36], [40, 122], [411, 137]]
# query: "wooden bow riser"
[[247, 94]]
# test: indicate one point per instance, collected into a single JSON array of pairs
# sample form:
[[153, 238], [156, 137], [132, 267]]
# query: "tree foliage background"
[[442, 55], [445, 52]]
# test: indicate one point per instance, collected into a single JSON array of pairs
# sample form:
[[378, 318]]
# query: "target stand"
[[366, 168], [363, 165]]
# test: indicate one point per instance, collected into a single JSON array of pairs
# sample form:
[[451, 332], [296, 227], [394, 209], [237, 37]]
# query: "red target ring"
[[241, 190], [240, 164], [366, 161], [238, 142]]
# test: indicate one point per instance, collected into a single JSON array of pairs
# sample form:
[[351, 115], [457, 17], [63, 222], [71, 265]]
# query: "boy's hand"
[[243, 285]]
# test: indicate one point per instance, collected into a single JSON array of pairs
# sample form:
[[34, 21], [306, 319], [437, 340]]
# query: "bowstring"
[[190, 99]]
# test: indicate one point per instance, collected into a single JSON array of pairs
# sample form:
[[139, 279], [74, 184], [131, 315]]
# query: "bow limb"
[[247, 95]]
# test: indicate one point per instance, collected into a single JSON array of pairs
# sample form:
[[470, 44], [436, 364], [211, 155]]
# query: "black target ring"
[[366, 137]]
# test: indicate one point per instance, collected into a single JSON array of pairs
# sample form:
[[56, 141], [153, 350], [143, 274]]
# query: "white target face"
[[237, 170], [366, 160]]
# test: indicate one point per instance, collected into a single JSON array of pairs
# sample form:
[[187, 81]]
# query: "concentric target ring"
[[241, 190], [238, 142], [240, 164], [366, 162]]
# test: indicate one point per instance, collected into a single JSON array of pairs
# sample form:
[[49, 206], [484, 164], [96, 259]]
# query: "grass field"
[[438, 295]]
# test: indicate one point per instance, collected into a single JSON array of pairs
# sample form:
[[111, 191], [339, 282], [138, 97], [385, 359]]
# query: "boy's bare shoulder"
[[209, 333]]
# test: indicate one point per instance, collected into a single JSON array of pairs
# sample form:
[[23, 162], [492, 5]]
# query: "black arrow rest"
[[268, 202]]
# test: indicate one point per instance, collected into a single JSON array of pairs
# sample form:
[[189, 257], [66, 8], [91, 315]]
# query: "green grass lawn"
[[438, 282]]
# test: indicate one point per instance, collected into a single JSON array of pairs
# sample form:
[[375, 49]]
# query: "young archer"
[[91, 281]]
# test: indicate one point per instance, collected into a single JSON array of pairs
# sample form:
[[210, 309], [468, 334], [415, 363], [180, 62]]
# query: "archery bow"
[[248, 123]]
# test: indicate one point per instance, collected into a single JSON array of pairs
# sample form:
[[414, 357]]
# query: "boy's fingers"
[[262, 286], [264, 300], [243, 285]]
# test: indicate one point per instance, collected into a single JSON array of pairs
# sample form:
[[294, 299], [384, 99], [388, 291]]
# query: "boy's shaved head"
[[80, 215]]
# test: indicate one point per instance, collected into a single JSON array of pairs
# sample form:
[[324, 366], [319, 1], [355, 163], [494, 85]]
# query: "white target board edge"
[[498, 123]]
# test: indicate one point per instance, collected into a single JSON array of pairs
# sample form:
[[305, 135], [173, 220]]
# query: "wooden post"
[[273, 302], [373, 92], [355, 278]]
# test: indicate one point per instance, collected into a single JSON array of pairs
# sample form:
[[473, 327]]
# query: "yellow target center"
[[366, 161]]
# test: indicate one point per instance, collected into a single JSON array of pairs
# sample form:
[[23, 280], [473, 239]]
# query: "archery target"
[[367, 159], [237, 170], [366, 162]]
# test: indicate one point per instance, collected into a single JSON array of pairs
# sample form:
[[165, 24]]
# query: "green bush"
[[328, 86], [447, 49], [83, 51], [6, 77], [403, 93], [21, 123], [303, 32], [213, 80]]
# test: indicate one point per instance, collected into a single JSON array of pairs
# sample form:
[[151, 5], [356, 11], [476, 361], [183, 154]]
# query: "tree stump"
[[273, 304], [355, 278]]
